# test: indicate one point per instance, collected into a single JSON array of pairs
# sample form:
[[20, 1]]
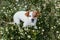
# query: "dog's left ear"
[[37, 13], [27, 13]]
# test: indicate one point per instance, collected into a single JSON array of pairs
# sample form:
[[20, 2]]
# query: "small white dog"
[[28, 17]]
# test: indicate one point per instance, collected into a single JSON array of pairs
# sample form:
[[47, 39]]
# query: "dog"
[[29, 18]]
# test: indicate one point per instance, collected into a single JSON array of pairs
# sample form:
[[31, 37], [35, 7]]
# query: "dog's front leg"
[[35, 24], [25, 24]]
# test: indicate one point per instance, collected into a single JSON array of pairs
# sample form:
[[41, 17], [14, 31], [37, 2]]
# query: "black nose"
[[32, 20]]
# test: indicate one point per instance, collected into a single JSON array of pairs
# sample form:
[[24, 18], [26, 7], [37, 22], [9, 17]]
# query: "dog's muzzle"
[[32, 20]]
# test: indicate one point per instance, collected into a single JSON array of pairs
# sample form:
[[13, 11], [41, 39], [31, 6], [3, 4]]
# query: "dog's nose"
[[32, 20]]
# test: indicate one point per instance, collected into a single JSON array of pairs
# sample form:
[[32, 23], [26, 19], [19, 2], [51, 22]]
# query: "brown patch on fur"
[[36, 13], [27, 13]]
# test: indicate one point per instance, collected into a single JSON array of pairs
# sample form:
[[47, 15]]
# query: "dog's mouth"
[[32, 20]]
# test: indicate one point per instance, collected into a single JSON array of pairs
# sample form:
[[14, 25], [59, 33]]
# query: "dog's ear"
[[37, 13], [27, 13]]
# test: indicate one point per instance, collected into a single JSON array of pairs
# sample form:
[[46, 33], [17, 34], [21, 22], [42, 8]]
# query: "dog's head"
[[32, 15]]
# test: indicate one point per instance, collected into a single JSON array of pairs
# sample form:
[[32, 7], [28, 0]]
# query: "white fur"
[[20, 15]]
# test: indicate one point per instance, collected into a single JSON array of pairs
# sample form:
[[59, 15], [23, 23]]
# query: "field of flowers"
[[48, 23]]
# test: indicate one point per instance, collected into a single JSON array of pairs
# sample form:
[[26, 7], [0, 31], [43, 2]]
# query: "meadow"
[[48, 22]]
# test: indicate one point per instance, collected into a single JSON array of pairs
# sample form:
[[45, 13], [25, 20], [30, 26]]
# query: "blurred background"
[[48, 22]]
